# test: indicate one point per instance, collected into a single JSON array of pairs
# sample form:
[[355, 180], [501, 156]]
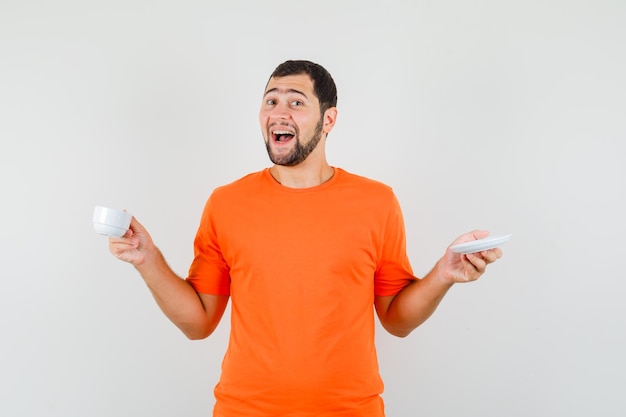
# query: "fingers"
[[124, 243], [492, 255], [120, 245], [480, 260], [470, 236], [128, 237], [132, 246], [479, 234], [476, 267]]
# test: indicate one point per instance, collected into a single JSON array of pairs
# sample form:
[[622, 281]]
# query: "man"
[[306, 251]]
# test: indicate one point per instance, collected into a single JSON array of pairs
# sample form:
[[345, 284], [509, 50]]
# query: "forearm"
[[175, 296], [415, 303]]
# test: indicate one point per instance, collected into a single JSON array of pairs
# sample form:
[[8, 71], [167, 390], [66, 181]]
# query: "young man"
[[304, 250]]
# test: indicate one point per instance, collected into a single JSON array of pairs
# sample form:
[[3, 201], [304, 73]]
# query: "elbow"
[[400, 332], [197, 332], [195, 335]]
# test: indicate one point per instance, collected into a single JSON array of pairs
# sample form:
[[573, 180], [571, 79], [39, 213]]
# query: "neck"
[[301, 175]]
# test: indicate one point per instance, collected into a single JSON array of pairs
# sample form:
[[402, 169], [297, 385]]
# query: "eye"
[[296, 103], [270, 102]]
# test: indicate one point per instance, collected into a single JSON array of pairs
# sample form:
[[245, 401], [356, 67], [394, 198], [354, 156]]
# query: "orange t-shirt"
[[302, 267]]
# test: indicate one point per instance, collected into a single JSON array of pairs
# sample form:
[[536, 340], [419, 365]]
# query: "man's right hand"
[[135, 246]]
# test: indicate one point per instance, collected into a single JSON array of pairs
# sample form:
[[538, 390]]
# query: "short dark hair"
[[323, 84]]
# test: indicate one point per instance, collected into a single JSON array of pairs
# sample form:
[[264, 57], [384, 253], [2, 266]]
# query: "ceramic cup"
[[111, 222]]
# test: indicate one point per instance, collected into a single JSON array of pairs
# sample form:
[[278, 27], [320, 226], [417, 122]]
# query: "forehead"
[[300, 83]]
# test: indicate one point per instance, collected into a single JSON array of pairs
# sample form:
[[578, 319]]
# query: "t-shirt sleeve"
[[209, 273], [394, 271]]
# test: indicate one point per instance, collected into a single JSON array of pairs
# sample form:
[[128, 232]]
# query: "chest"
[[303, 243]]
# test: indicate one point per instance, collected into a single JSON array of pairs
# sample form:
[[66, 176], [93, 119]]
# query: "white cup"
[[111, 222]]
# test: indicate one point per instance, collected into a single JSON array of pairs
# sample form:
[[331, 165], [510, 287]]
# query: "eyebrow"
[[284, 91]]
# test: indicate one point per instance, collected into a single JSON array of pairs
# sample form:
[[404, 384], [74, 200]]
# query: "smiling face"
[[291, 121]]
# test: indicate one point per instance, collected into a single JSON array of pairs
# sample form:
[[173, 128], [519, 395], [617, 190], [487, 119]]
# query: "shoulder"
[[237, 192], [241, 185], [363, 184]]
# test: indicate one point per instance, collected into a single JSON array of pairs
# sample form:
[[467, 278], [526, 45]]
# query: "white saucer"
[[481, 244]]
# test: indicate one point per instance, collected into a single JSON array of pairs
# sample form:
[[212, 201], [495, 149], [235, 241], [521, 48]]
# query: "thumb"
[[480, 234], [136, 227]]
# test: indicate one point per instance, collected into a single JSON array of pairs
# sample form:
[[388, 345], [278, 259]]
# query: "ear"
[[330, 117]]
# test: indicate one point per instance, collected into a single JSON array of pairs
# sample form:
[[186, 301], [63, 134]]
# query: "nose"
[[280, 111]]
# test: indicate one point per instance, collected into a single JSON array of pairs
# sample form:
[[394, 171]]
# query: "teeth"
[[282, 132]]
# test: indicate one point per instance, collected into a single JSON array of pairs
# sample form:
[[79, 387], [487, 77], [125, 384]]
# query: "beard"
[[299, 152]]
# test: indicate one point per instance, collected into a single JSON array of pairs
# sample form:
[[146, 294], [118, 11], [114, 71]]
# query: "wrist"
[[441, 276], [151, 256]]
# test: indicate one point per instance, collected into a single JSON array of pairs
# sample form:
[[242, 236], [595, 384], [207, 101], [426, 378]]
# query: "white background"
[[502, 115]]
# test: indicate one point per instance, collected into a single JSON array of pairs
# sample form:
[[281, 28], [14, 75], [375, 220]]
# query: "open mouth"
[[282, 136]]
